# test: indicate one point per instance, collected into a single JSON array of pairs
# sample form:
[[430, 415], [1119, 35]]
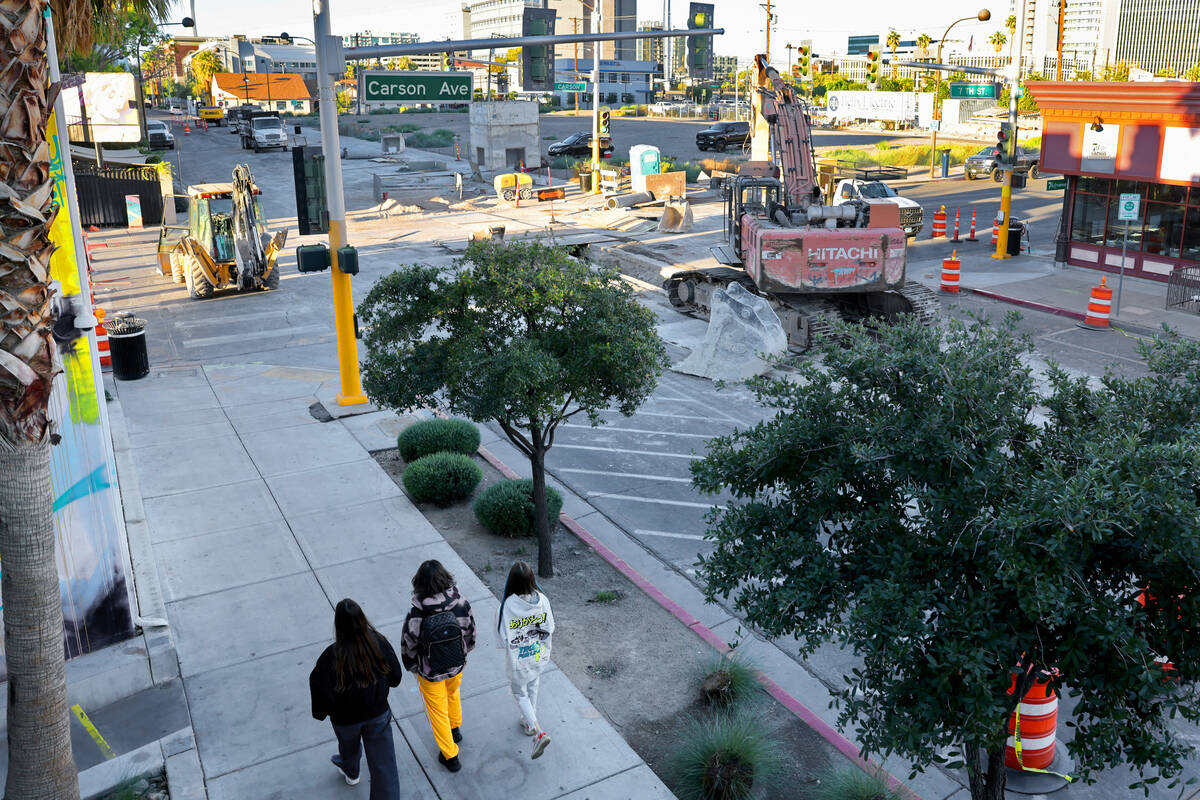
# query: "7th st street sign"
[[393, 86]]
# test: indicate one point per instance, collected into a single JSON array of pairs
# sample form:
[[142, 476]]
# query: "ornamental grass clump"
[[723, 757], [727, 681]]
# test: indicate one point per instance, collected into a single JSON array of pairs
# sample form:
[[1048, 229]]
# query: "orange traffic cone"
[[995, 230], [957, 212], [950, 273], [1098, 308], [939, 224], [971, 235]]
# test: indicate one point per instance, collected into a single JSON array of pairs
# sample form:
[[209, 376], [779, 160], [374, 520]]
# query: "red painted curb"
[[1016, 301], [824, 729]]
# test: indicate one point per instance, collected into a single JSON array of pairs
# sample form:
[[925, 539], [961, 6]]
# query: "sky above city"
[[826, 24]]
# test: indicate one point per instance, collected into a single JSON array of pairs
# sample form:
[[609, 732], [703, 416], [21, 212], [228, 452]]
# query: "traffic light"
[[700, 48], [805, 59], [1002, 144], [873, 56], [605, 116], [537, 63]]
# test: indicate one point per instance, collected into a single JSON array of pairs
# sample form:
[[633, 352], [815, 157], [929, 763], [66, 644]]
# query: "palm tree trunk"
[[40, 766], [40, 763]]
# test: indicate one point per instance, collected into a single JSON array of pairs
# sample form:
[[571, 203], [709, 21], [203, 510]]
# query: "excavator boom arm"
[[780, 115]]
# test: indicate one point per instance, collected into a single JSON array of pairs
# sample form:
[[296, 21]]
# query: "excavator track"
[[805, 317]]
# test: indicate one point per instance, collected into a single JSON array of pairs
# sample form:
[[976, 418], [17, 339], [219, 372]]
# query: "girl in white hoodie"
[[526, 625]]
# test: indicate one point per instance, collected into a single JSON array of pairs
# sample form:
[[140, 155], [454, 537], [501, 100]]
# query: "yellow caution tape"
[[1017, 748], [78, 711]]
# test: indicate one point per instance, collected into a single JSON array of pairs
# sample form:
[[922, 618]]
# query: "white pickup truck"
[[912, 216], [263, 133]]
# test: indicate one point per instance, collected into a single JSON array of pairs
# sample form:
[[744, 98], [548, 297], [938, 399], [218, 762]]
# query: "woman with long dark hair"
[[350, 685], [526, 624], [439, 631]]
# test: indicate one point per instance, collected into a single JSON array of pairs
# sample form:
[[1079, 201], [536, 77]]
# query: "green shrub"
[[439, 138], [441, 478], [727, 681], [722, 757], [506, 508], [851, 784], [436, 436]]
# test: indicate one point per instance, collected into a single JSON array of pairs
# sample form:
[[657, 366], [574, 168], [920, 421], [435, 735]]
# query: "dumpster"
[[1015, 229], [127, 343]]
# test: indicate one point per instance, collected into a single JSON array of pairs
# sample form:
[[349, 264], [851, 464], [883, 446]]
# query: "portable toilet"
[[644, 159]]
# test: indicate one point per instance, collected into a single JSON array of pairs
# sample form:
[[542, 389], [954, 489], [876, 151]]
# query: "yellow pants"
[[444, 710]]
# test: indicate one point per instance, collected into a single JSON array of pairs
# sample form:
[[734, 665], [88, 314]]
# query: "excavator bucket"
[[676, 216]]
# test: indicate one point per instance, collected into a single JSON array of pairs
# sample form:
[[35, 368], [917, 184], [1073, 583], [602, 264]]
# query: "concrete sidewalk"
[[259, 519], [1034, 282]]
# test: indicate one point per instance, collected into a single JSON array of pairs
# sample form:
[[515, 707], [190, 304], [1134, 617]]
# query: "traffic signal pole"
[[351, 393], [596, 104], [1014, 82]]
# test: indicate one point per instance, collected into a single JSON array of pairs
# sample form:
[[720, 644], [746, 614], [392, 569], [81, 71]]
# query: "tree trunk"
[[985, 781], [40, 764], [537, 461]]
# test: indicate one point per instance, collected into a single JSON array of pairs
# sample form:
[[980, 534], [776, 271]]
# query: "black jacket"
[[355, 704]]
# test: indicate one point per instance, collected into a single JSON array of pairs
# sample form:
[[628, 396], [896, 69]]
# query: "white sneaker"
[[349, 780], [525, 729], [540, 744]]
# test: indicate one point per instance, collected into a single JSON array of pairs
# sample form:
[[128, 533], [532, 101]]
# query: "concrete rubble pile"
[[743, 333]]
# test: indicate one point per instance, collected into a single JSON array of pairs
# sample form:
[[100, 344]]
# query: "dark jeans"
[[376, 737]]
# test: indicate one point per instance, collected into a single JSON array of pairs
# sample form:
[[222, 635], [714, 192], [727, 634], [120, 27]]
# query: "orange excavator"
[[813, 262]]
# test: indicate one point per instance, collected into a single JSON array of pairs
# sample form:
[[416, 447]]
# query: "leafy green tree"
[[344, 102], [1115, 72], [520, 333], [915, 499], [1011, 24], [203, 66], [923, 42], [1192, 73], [997, 40], [893, 41]]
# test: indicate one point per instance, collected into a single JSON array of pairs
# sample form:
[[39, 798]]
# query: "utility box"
[[644, 159], [506, 135]]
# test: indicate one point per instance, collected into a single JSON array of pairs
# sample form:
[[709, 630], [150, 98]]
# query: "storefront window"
[[1164, 228], [1191, 235], [1094, 185], [1088, 220], [1166, 193]]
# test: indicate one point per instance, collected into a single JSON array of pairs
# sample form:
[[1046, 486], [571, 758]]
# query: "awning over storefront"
[[1136, 131]]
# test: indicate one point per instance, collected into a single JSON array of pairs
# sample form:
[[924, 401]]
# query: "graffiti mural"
[[89, 529]]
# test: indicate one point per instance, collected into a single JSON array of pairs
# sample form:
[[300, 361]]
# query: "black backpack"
[[442, 642]]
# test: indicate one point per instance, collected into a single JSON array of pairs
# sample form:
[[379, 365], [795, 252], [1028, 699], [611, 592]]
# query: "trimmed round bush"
[[441, 478], [506, 508], [438, 436]]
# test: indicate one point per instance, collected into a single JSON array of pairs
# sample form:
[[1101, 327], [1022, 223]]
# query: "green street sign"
[[392, 86], [973, 91], [570, 86], [1056, 183]]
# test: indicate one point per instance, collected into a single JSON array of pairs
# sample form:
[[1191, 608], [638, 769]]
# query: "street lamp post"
[[246, 86], [789, 47], [983, 16]]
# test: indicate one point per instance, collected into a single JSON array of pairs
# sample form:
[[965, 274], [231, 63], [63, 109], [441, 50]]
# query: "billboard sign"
[[890, 106], [107, 102], [407, 86]]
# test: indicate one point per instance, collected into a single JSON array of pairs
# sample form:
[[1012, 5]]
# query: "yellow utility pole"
[[1014, 83], [351, 393], [768, 50], [596, 101]]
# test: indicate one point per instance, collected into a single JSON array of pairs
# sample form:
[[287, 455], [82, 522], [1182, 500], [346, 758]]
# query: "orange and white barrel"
[[1099, 306], [102, 339], [939, 224], [950, 273], [1032, 728]]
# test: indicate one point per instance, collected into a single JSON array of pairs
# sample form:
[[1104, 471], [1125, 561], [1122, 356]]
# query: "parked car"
[[580, 144], [723, 134], [984, 163], [159, 136]]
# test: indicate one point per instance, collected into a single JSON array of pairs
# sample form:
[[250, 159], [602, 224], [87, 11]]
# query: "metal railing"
[[1183, 289]]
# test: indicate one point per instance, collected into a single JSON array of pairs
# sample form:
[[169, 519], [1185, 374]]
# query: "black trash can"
[[127, 343], [585, 182], [1015, 229]]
